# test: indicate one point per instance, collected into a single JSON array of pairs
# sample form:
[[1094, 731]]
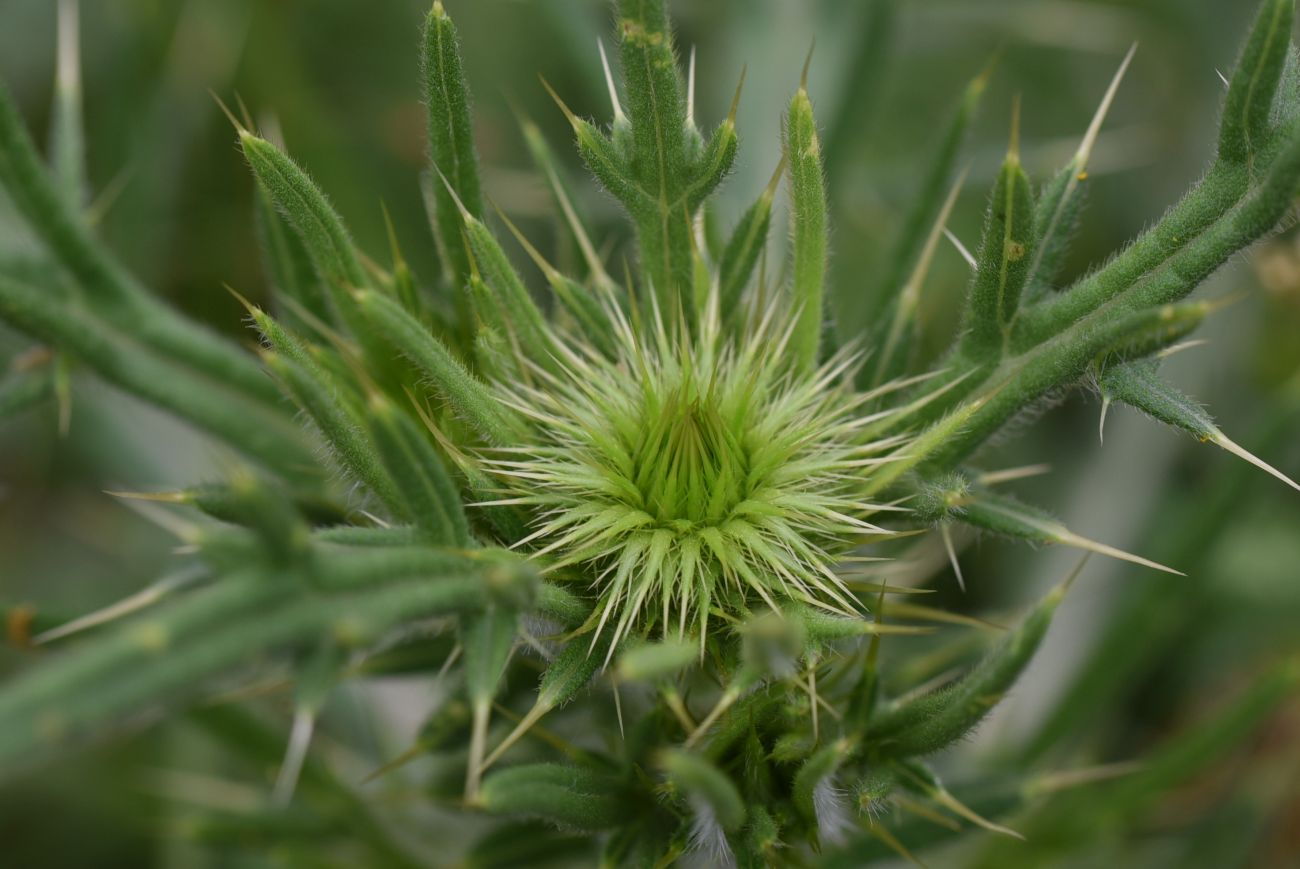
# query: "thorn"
[[396, 251], [690, 89], [609, 83], [1223, 78], [735, 99], [401, 760], [961, 249], [547, 269], [243, 111], [124, 607], [891, 840], [573, 119], [1051, 783], [177, 497], [230, 116], [807, 63], [618, 702], [534, 715], [253, 310], [1075, 572], [68, 76], [304, 724], [1221, 440], [1181, 346], [477, 745], [460, 206], [63, 394], [1013, 146], [1101, 421], [107, 197], [1082, 156], [948, 801], [993, 478], [952, 556], [769, 192], [1069, 538]]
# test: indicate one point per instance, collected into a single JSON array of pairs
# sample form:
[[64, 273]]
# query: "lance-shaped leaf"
[[568, 796], [266, 436], [310, 213], [418, 473], [468, 397], [1248, 107], [451, 143], [933, 721], [508, 302], [166, 653], [1138, 385], [1002, 514], [1005, 255], [288, 265], [810, 230], [331, 404], [101, 281], [697, 779]]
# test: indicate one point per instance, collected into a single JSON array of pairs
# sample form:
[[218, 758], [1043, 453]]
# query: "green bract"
[[691, 472], [640, 507]]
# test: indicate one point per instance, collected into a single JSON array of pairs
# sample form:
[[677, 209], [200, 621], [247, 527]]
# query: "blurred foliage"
[[1141, 661]]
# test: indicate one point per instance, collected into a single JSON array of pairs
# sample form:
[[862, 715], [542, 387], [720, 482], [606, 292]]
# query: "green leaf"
[[1004, 515], [1004, 258], [469, 398], [1247, 110], [451, 144], [332, 407], [810, 231], [933, 721], [694, 776], [288, 265], [1138, 385], [268, 437], [418, 472], [310, 213], [570, 797]]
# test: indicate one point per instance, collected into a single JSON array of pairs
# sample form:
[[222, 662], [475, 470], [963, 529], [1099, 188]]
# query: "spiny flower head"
[[686, 473]]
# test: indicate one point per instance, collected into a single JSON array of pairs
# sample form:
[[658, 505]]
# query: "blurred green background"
[[1134, 659]]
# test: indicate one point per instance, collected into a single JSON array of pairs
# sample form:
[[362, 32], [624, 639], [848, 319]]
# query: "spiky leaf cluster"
[[689, 464]]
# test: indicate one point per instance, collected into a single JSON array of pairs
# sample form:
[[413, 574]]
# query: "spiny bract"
[[690, 471]]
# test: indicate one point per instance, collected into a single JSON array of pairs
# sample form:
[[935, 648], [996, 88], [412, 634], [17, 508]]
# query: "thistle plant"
[[664, 491]]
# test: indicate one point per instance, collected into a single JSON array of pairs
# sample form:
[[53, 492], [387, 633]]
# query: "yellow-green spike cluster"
[[693, 472]]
